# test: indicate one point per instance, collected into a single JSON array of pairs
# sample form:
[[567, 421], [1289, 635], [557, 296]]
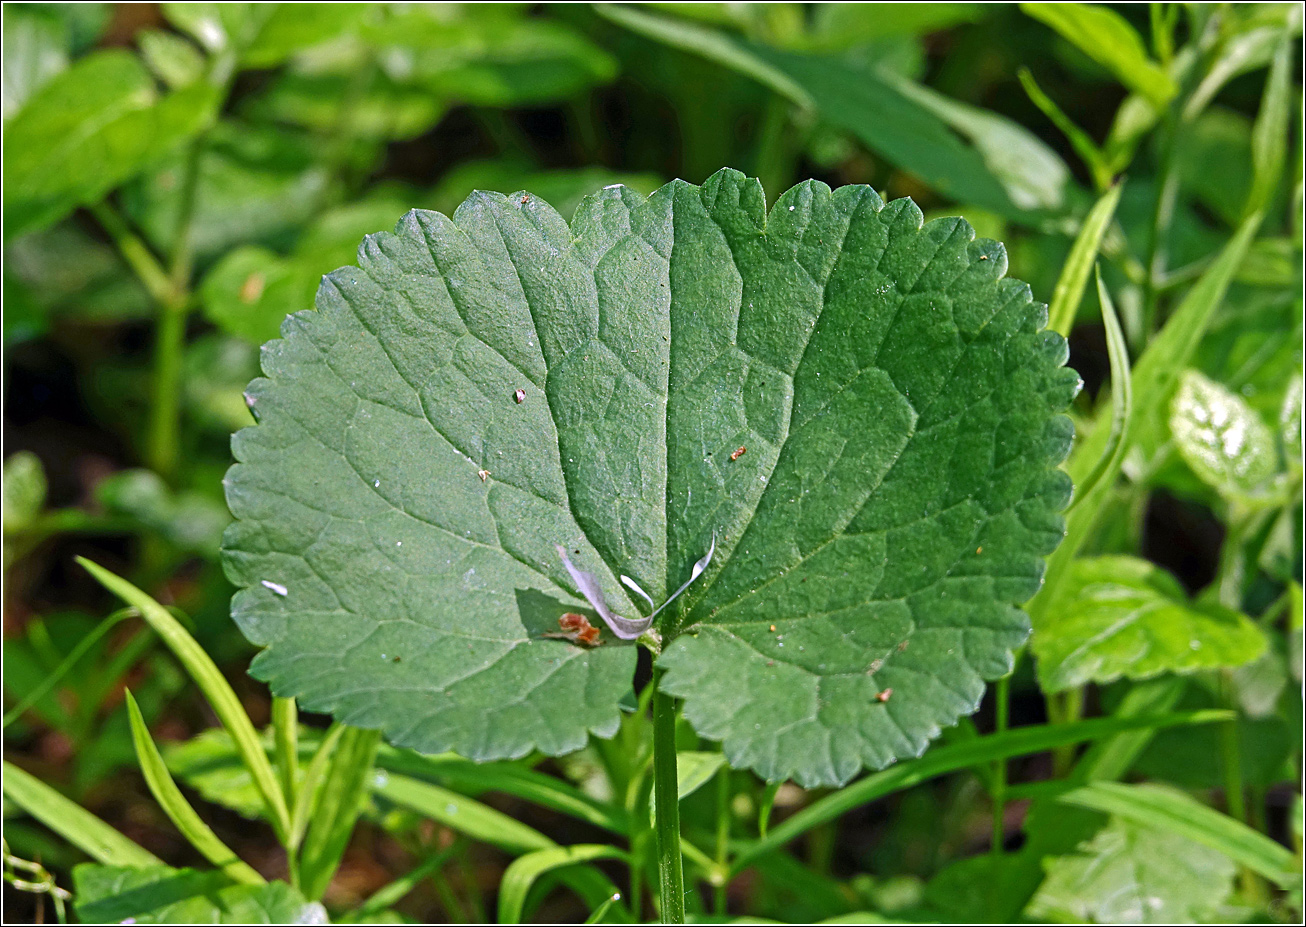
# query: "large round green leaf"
[[860, 413]]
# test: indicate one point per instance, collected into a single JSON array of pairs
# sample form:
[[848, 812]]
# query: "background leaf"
[[162, 895], [1132, 874], [1122, 616]]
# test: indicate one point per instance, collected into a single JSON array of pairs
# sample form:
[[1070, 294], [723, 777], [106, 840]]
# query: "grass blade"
[[1069, 290], [954, 757], [459, 813], [73, 822], [216, 689], [1270, 133], [179, 811], [344, 794], [1175, 812], [474, 778], [524, 870], [307, 796], [1122, 400], [285, 731]]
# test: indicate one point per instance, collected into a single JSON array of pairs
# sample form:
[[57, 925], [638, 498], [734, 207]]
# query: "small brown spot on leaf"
[[483, 474], [902, 646], [735, 455], [525, 200], [520, 396], [984, 257], [883, 696], [979, 550], [772, 627]]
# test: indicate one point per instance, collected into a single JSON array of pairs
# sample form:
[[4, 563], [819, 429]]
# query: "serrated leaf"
[[1122, 616], [87, 131], [1224, 441], [1132, 874], [836, 394], [163, 895]]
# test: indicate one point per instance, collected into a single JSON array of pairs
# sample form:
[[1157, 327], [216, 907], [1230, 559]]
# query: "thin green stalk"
[[666, 798], [721, 880], [1001, 717], [163, 444], [1070, 708], [774, 161], [135, 253]]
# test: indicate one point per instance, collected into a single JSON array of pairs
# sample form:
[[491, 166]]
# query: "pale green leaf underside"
[[1131, 874], [896, 399]]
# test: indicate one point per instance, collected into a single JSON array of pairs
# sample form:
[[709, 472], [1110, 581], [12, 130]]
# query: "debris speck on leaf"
[[483, 474], [520, 396], [276, 587], [883, 696], [735, 455]]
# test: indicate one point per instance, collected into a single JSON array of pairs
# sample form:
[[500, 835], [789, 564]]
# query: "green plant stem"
[[1069, 709], [1001, 716], [721, 877], [774, 162], [666, 798]]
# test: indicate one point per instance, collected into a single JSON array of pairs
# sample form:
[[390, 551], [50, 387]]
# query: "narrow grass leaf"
[[1270, 132], [306, 798], [344, 795], [1173, 811], [178, 809], [524, 870], [216, 689], [459, 813], [1092, 156], [474, 778], [71, 821], [1069, 290], [953, 757], [285, 728]]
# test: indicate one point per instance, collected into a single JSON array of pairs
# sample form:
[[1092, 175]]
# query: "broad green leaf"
[[1133, 874], [1224, 441], [87, 131], [965, 153], [1168, 809], [162, 895], [779, 393], [564, 190], [379, 109], [1108, 39], [1122, 616], [71, 821]]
